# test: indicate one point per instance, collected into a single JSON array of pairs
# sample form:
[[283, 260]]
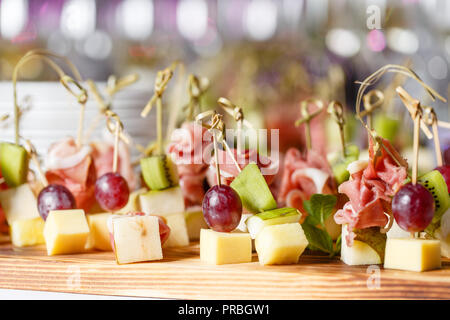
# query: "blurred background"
[[262, 54]]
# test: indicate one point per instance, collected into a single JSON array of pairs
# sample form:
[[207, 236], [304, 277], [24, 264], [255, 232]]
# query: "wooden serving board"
[[182, 275]]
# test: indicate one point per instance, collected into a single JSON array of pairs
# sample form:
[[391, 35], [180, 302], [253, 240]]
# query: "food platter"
[[181, 275]]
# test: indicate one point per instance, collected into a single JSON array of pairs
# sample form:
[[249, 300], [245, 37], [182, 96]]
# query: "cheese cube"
[[359, 253], [162, 202], [412, 254], [19, 203], [225, 247], [277, 216], [195, 222], [280, 244], [27, 232], [136, 238], [98, 232], [66, 231], [178, 236]]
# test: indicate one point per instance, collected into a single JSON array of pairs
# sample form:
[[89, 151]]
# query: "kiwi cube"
[[434, 182], [159, 172], [253, 190], [13, 164]]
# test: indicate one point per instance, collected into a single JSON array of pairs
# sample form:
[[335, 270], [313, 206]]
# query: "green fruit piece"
[[253, 190], [435, 183], [159, 172], [13, 164], [339, 165], [385, 126], [268, 218], [374, 238], [340, 172]]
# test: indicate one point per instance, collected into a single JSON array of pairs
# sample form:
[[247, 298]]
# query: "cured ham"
[[370, 191], [229, 171], [73, 167], [103, 153], [190, 149], [304, 176]]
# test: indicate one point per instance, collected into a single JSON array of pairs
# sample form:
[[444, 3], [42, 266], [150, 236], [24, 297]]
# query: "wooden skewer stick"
[[196, 88], [307, 117], [238, 116], [218, 125], [430, 118], [115, 129], [410, 103], [161, 82], [370, 106], [336, 110], [33, 155]]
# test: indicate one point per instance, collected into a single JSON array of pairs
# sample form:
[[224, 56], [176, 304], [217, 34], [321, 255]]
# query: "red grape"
[[446, 156], [222, 208], [111, 191], [54, 197], [445, 171], [413, 207]]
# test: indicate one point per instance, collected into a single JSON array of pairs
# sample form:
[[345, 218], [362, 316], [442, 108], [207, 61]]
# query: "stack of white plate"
[[54, 113]]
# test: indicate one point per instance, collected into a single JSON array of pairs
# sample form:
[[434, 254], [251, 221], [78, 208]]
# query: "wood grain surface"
[[181, 275]]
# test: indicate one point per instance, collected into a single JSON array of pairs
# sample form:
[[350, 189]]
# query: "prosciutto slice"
[[73, 167], [370, 191], [190, 148], [304, 176], [229, 171], [103, 153]]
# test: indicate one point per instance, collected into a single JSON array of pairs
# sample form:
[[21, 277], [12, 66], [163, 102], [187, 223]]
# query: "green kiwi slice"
[[13, 164], [253, 190], [435, 183], [159, 172]]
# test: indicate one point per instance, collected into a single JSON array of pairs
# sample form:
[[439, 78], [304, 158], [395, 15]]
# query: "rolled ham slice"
[[302, 177], [370, 192], [190, 149], [103, 156], [73, 168]]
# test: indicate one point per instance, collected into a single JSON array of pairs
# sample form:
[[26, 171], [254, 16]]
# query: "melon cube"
[[136, 238], [280, 244], [162, 202], [178, 236], [195, 222], [66, 231], [359, 253]]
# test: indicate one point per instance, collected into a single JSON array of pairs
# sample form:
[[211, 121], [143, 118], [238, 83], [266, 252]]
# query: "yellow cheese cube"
[[360, 253], [98, 232], [66, 231], [412, 254], [195, 222], [224, 247], [280, 244], [136, 238], [178, 236], [27, 232]]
